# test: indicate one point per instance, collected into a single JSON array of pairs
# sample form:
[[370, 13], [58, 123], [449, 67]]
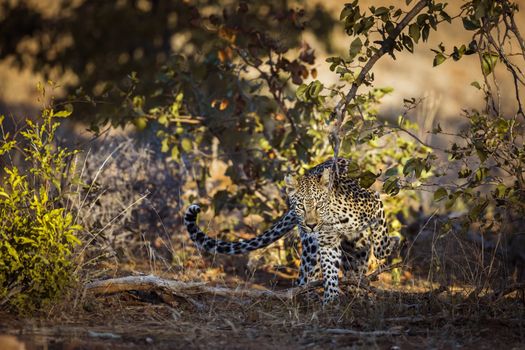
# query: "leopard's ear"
[[325, 177], [290, 182]]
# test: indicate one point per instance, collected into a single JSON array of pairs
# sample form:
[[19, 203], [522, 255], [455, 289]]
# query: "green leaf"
[[440, 194], [472, 48], [73, 239], [470, 23], [389, 27], [476, 85], [25, 240], [57, 184], [446, 16], [315, 88], [391, 172], [381, 11], [12, 251], [301, 92], [407, 42], [488, 62], [164, 145], [163, 120], [425, 32], [355, 47], [175, 152], [501, 191], [391, 185], [451, 200], [480, 174], [186, 144], [438, 59], [353, 170], [481, 9], [347, 11], [367, 179], [62, 114], [421, 19], [414, 32], [415, 165]]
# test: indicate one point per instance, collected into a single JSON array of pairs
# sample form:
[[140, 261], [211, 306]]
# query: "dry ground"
[[407, 316]]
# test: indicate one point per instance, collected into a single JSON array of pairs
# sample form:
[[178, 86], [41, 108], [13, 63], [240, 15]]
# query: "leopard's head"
[[308, 196]]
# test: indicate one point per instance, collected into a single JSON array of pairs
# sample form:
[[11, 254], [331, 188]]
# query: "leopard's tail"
[[284, 225]]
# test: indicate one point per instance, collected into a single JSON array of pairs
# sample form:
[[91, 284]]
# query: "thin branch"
[[411, 134]]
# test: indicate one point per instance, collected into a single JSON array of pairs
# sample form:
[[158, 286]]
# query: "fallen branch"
[[163, 286], [179, 288], [411, 319], [361, 333]]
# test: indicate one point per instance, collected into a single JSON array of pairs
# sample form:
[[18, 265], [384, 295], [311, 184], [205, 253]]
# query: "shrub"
[[37, 231]]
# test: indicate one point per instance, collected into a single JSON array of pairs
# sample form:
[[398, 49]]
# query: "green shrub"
[[37, 232]]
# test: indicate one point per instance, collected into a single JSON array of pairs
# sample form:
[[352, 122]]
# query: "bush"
[[37, 231]]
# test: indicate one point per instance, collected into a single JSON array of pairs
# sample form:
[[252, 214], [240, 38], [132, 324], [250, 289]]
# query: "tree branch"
[[386, 46]]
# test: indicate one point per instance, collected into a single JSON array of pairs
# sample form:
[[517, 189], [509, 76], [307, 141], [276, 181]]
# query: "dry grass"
[[445, 298], [405, 316]]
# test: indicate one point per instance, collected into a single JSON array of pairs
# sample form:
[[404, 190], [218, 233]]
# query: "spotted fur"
[[340, 223]]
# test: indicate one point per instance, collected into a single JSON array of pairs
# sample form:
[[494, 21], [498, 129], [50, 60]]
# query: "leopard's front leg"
[[330, 256], [309, 269]]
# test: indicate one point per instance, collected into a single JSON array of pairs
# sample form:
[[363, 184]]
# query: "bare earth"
[[408, 316]]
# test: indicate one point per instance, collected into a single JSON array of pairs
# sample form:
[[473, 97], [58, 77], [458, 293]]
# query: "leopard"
[[340, 225]]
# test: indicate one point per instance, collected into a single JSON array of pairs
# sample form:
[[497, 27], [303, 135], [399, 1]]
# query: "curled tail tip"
[[194, 208], [191, 213]]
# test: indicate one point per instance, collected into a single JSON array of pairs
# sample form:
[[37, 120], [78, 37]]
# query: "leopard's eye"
[[300, 206]]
